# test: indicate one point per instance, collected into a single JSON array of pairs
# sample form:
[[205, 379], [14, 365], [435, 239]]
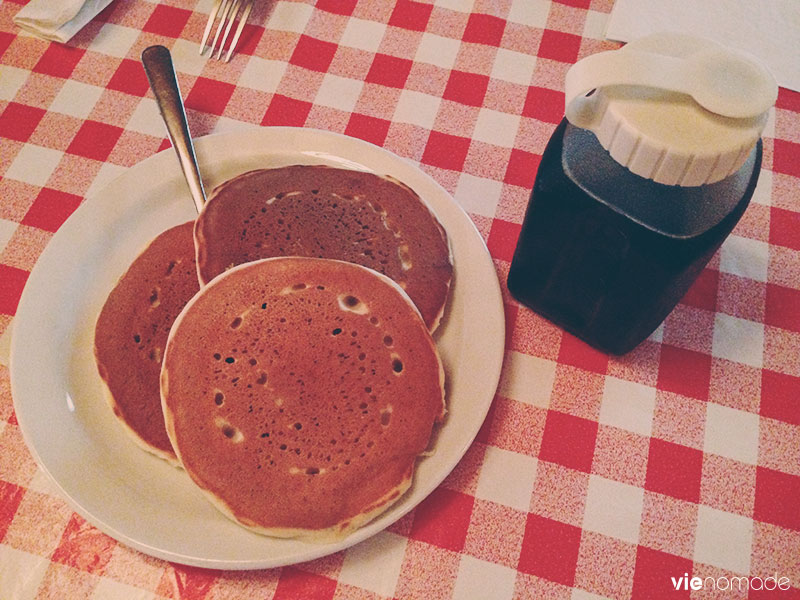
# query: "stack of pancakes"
[[282, 355]]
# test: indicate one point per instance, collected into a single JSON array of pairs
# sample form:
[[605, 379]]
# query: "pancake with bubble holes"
[[299, 393], [326, 212], [132, 329]]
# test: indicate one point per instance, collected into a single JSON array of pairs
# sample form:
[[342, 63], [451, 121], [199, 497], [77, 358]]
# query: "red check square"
[[367, 128], [59, 60], [575, 3], [776, 498], [283, 110], [784, 227], [251, 36], [786, 158], [12, 280], [10, 497], [94, 140], [194, 583], [788, 99], [5, 41], [466, 88], [410, 15], [129, 78], [502, 239], [389, 70], [550, 549], [522, 168], [83, 547], [674, 470], [484, 29], [780, 397], [50, 209], [703, 293], [446, 151], [544, 104], [167, 20], [568, 441], [578, 353], [295, 584], [313, 54], [339, 7], [18, 121], [559, 46], [442, 519], [684, 372], [782, 307], [209, 95], [657, 574]]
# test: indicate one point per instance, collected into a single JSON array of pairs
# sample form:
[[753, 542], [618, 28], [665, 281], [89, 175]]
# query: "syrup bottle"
[[652, 167]]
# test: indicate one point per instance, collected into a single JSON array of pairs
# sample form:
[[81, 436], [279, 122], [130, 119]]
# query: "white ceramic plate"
[[139, 499]]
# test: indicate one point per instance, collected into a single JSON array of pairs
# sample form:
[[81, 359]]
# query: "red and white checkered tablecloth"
[[592, 477]]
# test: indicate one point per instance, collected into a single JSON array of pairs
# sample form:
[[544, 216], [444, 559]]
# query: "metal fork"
[[228, 11]]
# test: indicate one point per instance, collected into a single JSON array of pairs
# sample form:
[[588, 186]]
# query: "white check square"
[[145, 119], [437, 50], [187, 54], [338, 92], [115, 40], [628, 405], [731, 433], [262, 74], [507, 478], [34, 164], [12, 80], [723, 539], [364, 35], [763, 192], [613, 509], [738, 340], [495, 127], [416, 108], [20, 569], [744, 257], [479, 579], [478, 195], [512, 66], [375, 563], [76, 99], [290, 16], [7, 229], [464, 6], [528, 379], [595, 25], [532, 13]]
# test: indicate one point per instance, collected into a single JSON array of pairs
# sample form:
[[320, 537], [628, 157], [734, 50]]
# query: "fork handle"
[[160, 73]]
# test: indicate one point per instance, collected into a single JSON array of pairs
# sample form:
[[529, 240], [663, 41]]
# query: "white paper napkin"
[[767, 29], [58, 20]]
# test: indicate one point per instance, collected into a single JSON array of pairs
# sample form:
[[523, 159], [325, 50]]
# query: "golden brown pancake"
[[326, 212], [299, 392], [131, 333]]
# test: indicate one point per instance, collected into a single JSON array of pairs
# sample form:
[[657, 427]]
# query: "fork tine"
[[211, 17], [226, 6], [242, 20], [231, 18]]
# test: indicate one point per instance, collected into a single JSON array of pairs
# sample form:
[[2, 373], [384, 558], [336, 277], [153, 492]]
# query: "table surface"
[[592, 476]]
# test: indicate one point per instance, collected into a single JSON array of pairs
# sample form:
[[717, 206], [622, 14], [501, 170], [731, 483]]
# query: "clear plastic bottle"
[[607, 253]]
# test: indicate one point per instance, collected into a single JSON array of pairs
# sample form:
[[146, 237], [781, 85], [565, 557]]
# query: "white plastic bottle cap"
[[674, 108]]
